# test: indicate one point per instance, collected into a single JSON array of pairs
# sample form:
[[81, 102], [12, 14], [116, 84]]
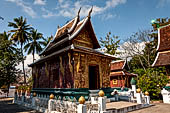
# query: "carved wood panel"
[[81, 77], [83, 39]]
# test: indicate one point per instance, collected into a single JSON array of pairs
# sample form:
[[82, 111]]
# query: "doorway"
[[94, 78]]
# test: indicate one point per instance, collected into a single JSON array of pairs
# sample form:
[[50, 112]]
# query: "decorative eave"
[[51, 55], [121, 73], [68, 31], [117, 65], [76, 28], [163, 38], [74, 48], [162, 59], [92, 51]]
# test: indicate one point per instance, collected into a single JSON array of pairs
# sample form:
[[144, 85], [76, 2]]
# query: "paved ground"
[[6, 106], [158, 108], [120, 104]]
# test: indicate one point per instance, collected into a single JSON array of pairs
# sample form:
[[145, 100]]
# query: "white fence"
[[50, 104]]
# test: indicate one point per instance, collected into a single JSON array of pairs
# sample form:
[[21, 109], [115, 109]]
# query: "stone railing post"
[[133, 84], [15, 97], [147, 98], [102, 102], [23, 96], [134, 89], [50, 104], [34, 99], [139, 96], [82, 107], [166, 96]]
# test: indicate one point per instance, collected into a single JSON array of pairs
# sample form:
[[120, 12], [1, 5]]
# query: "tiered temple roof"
[[163, 48], [63, 39], [118, 69]]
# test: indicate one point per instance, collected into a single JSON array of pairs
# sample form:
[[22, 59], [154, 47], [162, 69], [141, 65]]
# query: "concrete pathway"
[[158, 108], [6, 106], [120, 104]]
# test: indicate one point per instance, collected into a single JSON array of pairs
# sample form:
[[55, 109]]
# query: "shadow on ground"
[[6, 106]]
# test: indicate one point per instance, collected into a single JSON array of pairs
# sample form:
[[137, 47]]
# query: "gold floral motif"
[[46, 69], [78, 64], [70, 66], [61, 65]]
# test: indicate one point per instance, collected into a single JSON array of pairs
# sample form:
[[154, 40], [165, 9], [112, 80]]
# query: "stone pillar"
[[102, 102], [15, 97], [93, 100], [23, 96], [139, 96], [166, 96], [82, 107], [147, 98], [34, 99], [133, 84], [50, 103], [134, 88]]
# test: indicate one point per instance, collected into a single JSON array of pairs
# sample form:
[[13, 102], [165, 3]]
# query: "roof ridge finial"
[[90, 11], [79, 11]]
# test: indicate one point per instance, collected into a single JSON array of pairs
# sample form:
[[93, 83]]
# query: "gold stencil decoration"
[[61, 66], [77, 84], [78, 64], [46, 69], [36, 72], [70, 66]]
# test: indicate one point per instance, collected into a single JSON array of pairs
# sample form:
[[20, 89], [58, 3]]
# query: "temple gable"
[[83, 39]]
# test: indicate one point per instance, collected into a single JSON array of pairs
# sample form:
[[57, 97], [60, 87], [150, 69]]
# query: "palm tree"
[[35, 44], [11, 45], [46, 41], [20, 35]]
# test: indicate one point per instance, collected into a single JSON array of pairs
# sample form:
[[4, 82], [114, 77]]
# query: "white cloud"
[[28, 60], [40, 2], [108, 16], [26, 8], [162, 3], [48, 13], [69, 8], [114, 3]]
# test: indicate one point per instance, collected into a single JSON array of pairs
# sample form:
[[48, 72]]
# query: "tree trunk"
[[33, 56], [141, 63], [23, 64]]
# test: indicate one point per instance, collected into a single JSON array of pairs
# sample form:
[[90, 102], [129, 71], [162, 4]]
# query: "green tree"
[[35, 44], [46, 41], [142, 49], [152, 81], [110, 43], [9, 59], [20, 35]]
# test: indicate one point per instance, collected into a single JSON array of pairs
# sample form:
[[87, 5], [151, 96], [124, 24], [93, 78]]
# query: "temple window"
[[114, 81]]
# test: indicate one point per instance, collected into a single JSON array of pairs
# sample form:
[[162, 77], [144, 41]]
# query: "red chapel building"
[[119, 77]]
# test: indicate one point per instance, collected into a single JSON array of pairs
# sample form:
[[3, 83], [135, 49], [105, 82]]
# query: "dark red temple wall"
[[54, 73], [120, 83]]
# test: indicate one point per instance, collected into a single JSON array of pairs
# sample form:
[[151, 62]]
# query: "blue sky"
[[121, 17]]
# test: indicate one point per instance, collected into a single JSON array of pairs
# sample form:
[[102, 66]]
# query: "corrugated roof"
[[162, 59], [164, 39], [117, 65], [122, 73]]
